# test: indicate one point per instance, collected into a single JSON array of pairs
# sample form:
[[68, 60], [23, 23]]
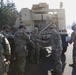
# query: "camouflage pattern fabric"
[[73, 39], [5, 52], [10, 38], [7, 34], [20, 39], [56, 52], [35, 51], [21, 60]]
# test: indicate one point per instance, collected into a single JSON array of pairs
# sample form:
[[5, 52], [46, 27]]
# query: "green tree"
[[7, 15]]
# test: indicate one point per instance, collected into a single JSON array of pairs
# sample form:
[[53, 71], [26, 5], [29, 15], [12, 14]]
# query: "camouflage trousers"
[[35, 52], [3, 69], [20, 60], [74, 54], [57, 61]]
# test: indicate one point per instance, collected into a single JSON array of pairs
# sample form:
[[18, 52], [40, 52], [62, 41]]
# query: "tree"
[[7, 15]]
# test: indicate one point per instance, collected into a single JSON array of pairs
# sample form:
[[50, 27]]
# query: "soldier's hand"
[[32, 43]]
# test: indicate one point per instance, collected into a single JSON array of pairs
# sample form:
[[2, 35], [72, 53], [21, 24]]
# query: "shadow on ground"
[[45, 65]]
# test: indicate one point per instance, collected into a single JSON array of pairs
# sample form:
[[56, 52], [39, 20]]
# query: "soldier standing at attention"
[[20, 40], [5, 52], [35, 52], [73, 39], [56, 51]]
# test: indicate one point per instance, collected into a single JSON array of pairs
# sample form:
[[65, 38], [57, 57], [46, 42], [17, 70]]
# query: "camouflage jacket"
[[7, 34], [73, 38], [5, 49], [34, 37], [20, 38], [56, 41]]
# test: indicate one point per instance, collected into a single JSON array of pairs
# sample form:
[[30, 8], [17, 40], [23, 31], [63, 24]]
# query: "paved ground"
[[67, 69], [46, 64]]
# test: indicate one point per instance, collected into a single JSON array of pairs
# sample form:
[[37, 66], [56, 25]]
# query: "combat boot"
[[72, 65], [52, 71], [55, 73]]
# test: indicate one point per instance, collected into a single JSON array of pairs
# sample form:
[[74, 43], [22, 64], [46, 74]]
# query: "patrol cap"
[[36, 28], [21, 26]]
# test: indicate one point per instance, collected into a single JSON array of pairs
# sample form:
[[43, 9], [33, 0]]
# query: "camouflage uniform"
[[36, 49], [5, 52], [8, 34], [20, 39], [56, 52], [73, 39]]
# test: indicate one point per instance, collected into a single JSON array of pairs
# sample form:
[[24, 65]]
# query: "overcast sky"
[[69, 5]]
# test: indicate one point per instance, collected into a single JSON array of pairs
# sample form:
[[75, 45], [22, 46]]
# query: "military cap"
[[35, 28], [21, 26]]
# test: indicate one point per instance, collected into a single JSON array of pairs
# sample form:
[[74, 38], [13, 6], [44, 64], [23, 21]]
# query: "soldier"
[[13, 30], [73, 39], [6, 31], [20, 40], [5, 53], [56, 51], [35, 51]]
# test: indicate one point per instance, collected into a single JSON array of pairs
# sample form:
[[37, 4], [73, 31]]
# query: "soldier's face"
[[22, 29]]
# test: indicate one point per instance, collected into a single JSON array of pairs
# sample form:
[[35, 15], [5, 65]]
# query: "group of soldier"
[[14, 46], [18, 41]]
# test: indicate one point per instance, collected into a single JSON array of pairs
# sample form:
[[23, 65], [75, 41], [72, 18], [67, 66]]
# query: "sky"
[[68, 5]]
